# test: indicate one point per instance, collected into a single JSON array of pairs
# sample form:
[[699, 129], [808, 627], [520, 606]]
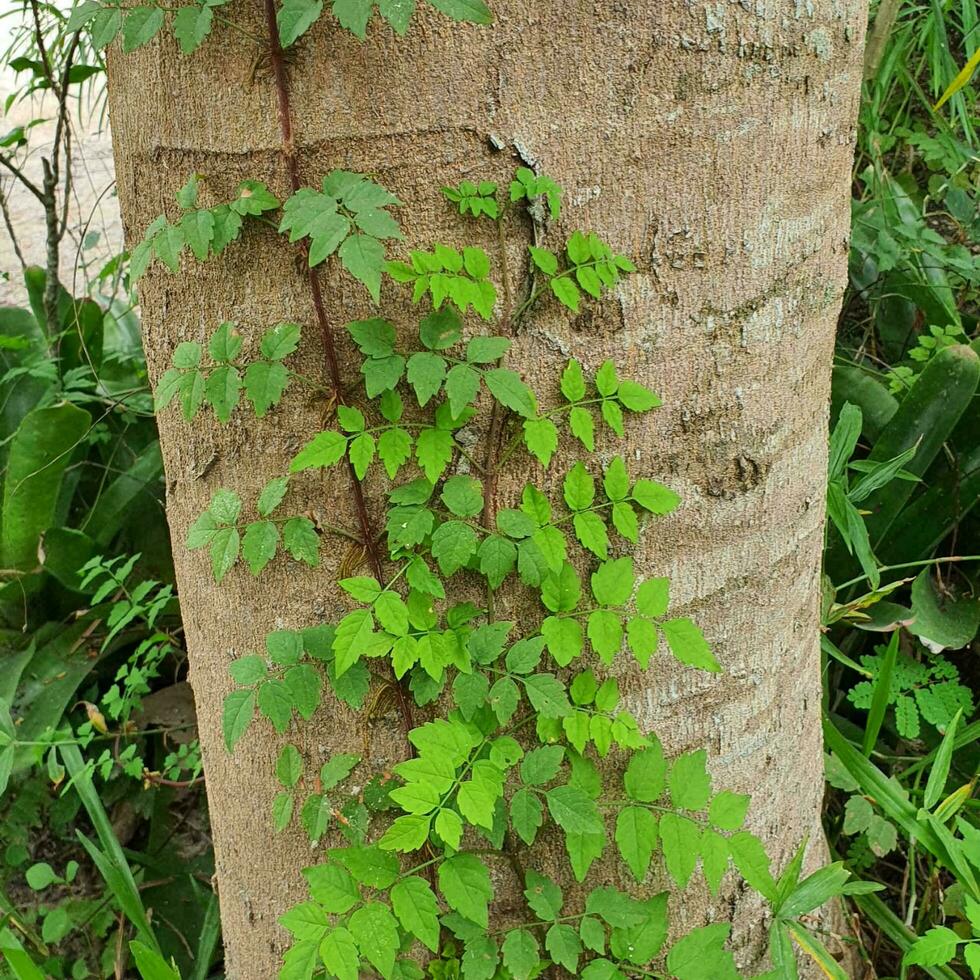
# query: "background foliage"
[[106, 839]]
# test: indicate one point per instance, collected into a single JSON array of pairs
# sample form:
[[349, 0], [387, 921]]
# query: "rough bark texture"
[[711, 142]]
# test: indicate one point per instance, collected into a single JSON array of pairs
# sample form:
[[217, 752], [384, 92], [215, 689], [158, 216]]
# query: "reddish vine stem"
[[278, 65]]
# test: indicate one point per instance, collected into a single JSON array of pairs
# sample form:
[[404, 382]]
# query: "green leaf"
[[364, 258], [541, 439], [374, 337], [151, 965], [653, 596], [197, 228], [636, 838], [566, 292], [615, 907], [474, 11], [276, 703], [636, 397], [303, 682], [353, 637], [376, 933], [939, 772], [547, 695], [237, 713], [415, 905], [324, 449], [579, 488], [486, 350], [646, 775], [525, 655], [561, 591], [937, 947], [701, 955], [591, 532], [654, 497], [728, 810], [462, 386], [641, 635], [289, 766], [332, 887], [465, 885], [280, 341], [547, 262], [295, 18], [259, 545], [564, 947], [353, 15], [37, 459], [361, 453], [426, 373], [521, 953], [680, 839], [544, 897], [612, 582], [526, 814], [224, 551], [752, 862], [689, 782], [339, 949], [573, 810], [565, 639], [688, 645], [223, 386], [453, 545], [441, 329], [582, 424], [308, 213], [300, 539], [498, 556], [248, 671], [541, 765], [369, 865], [264, 384], [434, 450], [191, 25], [625, 521], [463, 496], [506, 386], [141, 24]]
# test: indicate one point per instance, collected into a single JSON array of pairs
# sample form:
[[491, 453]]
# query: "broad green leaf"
[[339, 949], [680, 839], [573, 811], [646, 775], [141, 24], [375, 931], [689, 782], [41, 450], [688, 645], [636, 838], [237, 714], [415, 905], [521, 953], [612, 582], [465, 885]]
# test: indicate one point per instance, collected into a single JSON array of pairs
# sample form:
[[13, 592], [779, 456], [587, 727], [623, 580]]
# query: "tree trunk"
[[711, 143]]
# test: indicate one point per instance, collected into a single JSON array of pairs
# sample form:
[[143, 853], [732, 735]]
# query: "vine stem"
[[277, 63]]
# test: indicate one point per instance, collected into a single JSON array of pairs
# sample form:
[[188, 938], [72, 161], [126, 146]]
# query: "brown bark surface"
[[711, 143]]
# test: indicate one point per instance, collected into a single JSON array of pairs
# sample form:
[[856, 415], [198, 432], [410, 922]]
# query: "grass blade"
[[940, 768], [112, 863], [880, 698]]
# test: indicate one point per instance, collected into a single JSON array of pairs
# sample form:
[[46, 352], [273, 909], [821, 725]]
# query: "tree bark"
[[712, 143]]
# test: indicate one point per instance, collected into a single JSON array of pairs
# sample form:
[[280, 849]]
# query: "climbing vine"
[[519, 710]]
